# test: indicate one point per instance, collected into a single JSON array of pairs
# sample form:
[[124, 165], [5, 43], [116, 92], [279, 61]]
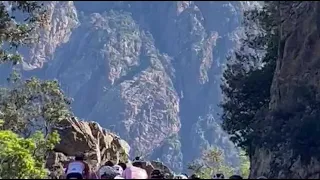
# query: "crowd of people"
[[79, 169]]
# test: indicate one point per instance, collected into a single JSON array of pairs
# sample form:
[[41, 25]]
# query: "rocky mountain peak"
[[150, 72]]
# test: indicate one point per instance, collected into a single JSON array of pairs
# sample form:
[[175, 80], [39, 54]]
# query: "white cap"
[[105, 169], [118, 169], [118, 177]]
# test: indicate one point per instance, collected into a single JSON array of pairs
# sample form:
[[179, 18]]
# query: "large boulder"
[[90, 138]]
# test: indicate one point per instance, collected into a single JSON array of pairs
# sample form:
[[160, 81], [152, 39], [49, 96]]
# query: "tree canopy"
[[32, 105], [249, 73], [212, 162], [19, 21], [21, 158], [28, 108]]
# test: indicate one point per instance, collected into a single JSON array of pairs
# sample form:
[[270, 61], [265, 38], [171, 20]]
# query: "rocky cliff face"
[[89, 138], [294, 106], [62, 17], [128, 71], [148, 71], [98, 144]]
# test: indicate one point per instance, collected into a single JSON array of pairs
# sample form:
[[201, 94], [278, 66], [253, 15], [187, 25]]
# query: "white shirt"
[[118, 177]]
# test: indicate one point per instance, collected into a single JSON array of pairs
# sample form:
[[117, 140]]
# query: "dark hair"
[[137, 158], [235, 177], [194, 176], [79, 157], [137, 164], [108, 163], [220, 175], [156, 174], [123, 165]]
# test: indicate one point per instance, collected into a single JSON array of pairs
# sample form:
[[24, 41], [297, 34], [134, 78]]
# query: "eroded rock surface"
[[291, 121], [90, 138], [62, 17], [148, 71]]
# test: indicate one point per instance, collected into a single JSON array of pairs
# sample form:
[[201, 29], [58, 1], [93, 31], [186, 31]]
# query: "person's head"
[[137, 164], [156, 174], [137, 159], [180, 176], [109, 163], [194, 176], [106, 176], [218, 176], [235, 177], [123, 165], [106, 172], [79, 157], [118, 169]]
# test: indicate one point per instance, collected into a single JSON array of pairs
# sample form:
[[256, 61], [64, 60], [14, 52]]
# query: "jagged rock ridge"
[[147, 71], [128, 70], [97, 143], [89, 138]]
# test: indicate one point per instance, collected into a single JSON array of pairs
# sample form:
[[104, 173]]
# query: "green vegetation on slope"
[[28, 109], [22, 158], [294, 125], [32, 105], [14, 32], [244, 165], [248, 75], [212, 162]]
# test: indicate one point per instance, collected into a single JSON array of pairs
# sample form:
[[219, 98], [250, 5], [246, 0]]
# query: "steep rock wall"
[[290, 130], [148, 71]]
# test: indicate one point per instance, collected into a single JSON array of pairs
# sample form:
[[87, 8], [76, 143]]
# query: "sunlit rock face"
[[148, 71]]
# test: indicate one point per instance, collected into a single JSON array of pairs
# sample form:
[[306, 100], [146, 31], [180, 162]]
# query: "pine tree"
[[249, 73]]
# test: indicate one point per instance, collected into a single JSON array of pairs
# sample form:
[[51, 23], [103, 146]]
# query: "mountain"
[[149, 71], [290, 125]]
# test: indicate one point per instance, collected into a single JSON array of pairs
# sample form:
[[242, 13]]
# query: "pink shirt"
[[133, 172]]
